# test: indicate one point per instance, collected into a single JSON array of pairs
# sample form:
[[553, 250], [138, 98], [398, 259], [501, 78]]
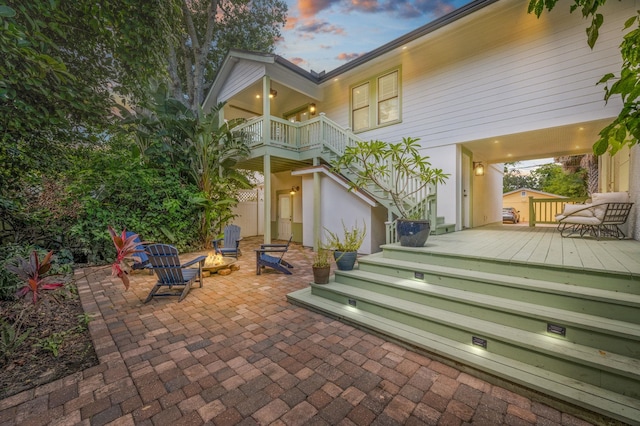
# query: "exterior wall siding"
[[244, 74]]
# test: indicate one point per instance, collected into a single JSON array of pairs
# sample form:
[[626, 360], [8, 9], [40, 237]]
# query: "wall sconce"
[[294, 189], [312, 109], [273, 93], [478, 168]]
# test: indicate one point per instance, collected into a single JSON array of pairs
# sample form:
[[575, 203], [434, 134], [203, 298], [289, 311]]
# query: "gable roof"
[[533, 190], [268, 58]]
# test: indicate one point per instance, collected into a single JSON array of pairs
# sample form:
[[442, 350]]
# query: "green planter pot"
[[345, 259]]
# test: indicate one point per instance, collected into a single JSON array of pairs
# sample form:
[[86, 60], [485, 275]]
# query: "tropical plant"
[[12, 336], [321, 258], [395, 168], [351, 239], [52, 343], [33, 272], [126, 249], [204, 150]]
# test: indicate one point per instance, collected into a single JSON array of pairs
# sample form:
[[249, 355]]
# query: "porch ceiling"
[[573, 139], [278, 164]]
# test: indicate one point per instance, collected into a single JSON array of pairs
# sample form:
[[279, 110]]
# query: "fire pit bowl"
[[216, 262]]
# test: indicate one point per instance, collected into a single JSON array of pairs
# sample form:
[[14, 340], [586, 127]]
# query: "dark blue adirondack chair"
[[229, 245], [276, 262], [144, 259], [164, 261]]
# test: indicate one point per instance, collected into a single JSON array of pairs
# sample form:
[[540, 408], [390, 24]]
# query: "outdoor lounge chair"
[[601, 217], [144, 259], [164, 261], [265, 260], [230, 242]]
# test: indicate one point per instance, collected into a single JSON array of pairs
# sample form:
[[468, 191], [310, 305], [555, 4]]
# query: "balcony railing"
[[318, 132], [544, 210]]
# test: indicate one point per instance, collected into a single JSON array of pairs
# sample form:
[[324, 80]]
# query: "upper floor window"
[[384, 90]]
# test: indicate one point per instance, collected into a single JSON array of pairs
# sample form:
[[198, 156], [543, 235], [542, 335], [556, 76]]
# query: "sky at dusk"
[[321, 35]]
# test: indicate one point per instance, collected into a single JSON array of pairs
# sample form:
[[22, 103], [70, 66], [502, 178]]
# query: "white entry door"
[[284, 216]]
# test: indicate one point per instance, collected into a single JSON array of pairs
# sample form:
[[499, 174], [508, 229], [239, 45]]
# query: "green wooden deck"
[[540, 246], [556, 316]]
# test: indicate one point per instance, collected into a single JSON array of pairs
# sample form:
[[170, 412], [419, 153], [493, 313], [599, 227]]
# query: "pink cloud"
[[402, 8], [348, 56], [298, 61], [310, 8]]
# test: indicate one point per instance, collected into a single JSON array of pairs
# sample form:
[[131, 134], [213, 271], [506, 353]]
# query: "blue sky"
[[321, 35]]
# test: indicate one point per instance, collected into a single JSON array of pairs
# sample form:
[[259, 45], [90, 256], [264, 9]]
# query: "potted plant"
[[399, 170], [321, 267], [345, 249]]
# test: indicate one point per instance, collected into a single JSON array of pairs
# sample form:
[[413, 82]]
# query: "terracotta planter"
[[413, 233], [321, 274], [345, 260]]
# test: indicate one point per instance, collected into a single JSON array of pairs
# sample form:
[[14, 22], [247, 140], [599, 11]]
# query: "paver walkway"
[[236, 352]]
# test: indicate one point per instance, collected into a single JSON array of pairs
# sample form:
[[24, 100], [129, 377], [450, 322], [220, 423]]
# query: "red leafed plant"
[[33, 271], [126, 248]]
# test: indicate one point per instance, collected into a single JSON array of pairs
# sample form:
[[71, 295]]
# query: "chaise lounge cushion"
[[582, 210], [600, 201]]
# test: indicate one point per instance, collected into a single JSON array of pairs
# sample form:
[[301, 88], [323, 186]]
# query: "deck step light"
[[352, 302], [418, 275], [477, 341], [557, 329]]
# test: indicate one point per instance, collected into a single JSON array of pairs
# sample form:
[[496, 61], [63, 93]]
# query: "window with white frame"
[[384, 90], [360, 107]]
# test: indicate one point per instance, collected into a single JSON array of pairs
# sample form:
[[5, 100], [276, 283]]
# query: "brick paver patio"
[[236, 352]]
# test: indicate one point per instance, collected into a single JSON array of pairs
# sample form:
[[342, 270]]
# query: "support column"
[[267, 198], [266, 138], [317, 231], [266, 110]]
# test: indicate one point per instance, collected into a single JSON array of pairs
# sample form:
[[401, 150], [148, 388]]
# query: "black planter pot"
[[345, 259], [413, 233], [321, 274]]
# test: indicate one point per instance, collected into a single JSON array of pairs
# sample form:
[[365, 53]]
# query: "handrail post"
[[532, 213]]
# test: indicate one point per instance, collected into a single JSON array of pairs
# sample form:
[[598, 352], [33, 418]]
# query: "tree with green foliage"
[[554, 179], [209, 29], [63, 62], [625, 129], [202, 150], [514, 179]]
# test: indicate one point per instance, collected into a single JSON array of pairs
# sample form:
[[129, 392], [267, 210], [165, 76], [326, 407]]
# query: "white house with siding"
[[488, 83]]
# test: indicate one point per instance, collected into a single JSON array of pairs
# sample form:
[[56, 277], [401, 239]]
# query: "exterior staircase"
[[322, 138], [570, 336]]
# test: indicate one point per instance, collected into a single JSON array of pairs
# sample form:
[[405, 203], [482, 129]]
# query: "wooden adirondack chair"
[[144, 259], [265, 260], [165, 262], [230, 242]]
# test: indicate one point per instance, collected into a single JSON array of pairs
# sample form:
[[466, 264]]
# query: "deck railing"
[[544, 210]]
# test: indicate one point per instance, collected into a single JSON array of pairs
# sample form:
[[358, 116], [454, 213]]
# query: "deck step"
[[582, 277], [622, 373], [546, 293], [605, 334], [590, 397]]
